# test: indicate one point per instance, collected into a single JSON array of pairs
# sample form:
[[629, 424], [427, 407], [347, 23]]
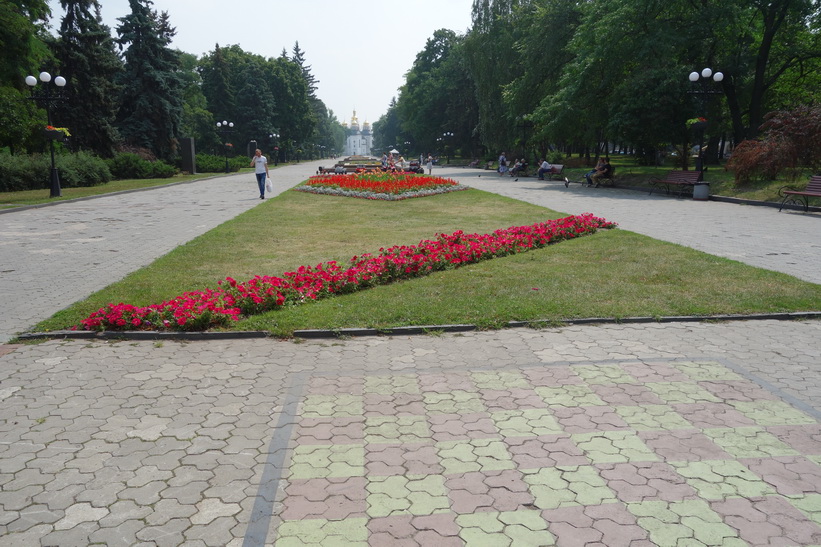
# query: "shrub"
[[33, 171], [797, 133], [130, 165], [82, 169], [756, 160], [209, 163]]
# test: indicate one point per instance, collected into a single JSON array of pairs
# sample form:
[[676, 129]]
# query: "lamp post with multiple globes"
[[705, 77], [224, 129], [46, 99]]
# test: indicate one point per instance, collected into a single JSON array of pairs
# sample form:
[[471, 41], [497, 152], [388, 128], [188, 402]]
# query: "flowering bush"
[[201, 310], [692, 121], [63, 130], [383, 186]]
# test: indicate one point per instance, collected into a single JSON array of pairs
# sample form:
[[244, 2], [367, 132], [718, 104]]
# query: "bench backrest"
[[684, 176], [815, 184], [556, 168]]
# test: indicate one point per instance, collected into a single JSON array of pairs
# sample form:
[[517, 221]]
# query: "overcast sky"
[[359, 50]]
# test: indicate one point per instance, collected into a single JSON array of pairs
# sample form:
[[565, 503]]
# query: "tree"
[[216, 84], [151, 99], [22, 51], [197, 122], [438, 96], [85, 51], [492, 62]]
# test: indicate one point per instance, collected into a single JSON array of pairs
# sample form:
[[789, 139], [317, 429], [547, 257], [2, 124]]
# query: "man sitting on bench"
[[602, 172], [544, 167]]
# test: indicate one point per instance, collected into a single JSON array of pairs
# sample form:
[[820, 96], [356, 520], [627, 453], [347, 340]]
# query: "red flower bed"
[[386, 186], [214, 308]]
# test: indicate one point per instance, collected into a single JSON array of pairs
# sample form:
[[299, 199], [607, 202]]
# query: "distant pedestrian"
[[429, 164], [260, 165], [502, 164]]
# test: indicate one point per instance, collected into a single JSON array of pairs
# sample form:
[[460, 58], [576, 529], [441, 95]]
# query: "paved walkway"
[[658, 434], [676, 434], [51, 257], [786, 241]]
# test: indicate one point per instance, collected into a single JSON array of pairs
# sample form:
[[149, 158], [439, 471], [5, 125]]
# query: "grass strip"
[[613, 274]]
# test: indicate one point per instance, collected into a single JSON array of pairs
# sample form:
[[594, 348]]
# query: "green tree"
[[22, 52], [151, 101], [492, 61], [387, 130], [85, 51], [197, 122]]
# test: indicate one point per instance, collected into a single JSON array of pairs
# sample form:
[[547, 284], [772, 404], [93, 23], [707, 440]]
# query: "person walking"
[[260, 165], [502, 164], [429, 164]]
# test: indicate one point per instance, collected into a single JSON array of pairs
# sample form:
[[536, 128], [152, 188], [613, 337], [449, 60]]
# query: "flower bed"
[[202, 310], [382, 186]]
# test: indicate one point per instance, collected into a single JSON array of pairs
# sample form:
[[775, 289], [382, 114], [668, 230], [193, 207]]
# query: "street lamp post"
[[46, 99], [224, 129], [447, 135], [274, 138], [704, 78]]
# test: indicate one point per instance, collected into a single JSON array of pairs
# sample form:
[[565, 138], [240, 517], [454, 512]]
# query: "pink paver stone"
[[587, 419], [707, 415], [804, 438], [683, 445], [768, 521], [545, 451], [654, 372], [789, 475], [401, 459], [325, 498], [626, 394], [489, 491], [459, 427], [398, 404], [552, 376], [608, 525], [513, 399], [645, 481], [444, 383]]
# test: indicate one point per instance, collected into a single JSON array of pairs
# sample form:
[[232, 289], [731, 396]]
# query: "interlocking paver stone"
[[500, 447]]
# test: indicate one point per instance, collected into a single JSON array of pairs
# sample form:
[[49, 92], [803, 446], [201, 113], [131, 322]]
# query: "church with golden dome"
[[359, 141]]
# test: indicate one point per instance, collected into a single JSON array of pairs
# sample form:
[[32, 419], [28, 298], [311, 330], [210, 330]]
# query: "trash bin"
[[701, 191]]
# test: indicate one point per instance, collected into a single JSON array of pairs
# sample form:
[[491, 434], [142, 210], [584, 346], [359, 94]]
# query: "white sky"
[[359, 50]]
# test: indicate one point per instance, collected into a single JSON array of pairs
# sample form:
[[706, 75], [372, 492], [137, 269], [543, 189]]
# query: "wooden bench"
[[793, 195], [610, 179], [684, 180]]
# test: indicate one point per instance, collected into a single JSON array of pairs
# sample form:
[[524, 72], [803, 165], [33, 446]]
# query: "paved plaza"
[[654, 434]]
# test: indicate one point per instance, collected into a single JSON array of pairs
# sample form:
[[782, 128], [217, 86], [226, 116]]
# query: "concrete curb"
[[404, 331]]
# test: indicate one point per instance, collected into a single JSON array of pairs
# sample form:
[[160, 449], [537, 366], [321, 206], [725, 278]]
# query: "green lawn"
[[613, 273]]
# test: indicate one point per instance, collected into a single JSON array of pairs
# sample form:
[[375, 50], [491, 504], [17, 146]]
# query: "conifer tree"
[[88, 60], [152, 89]]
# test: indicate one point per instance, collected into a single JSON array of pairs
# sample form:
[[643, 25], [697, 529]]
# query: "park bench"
[[793, 195], [555, 171], [683, 180], [610, 180]]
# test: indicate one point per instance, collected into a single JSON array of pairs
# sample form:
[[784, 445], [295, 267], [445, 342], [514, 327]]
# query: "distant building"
[[359, 142]]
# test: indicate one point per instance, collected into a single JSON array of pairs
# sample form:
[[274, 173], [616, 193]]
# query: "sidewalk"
[[54, 256], [786, 241], [696, 434], [622, 434]]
